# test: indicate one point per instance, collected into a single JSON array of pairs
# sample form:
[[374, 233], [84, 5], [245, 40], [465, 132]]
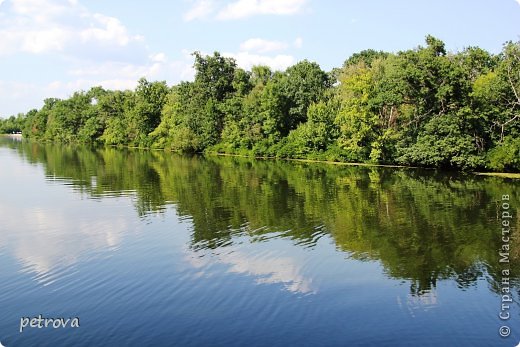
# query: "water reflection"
[[47, 243], [265, 268], [48, 232], [422, 226], [412, 303]]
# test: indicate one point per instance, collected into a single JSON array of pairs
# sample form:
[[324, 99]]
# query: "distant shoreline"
[[13, 137]]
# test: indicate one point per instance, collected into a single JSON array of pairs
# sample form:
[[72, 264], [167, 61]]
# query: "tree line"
[[420, 107]]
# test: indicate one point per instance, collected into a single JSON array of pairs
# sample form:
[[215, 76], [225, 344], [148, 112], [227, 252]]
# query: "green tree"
[[443, 144], [357, 124], [12, 124], [145, 114], [423, 106], [303, 84], [114, 108], [366, 57]]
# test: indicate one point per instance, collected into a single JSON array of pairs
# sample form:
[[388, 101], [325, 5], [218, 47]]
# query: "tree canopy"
[[424, 107]]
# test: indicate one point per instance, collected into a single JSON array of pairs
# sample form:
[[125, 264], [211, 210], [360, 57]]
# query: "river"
[[147, 248]]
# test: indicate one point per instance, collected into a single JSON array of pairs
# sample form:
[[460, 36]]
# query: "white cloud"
[[12, 94], [89, 49], [18, 97], [39, 41], [92, 49], [252, 52], [298, 42], [109, 30], [518, 2], [47, 26], [200, 10], [124, 75], [247, 60], [41, 11], [262, 46], [158, 57], [247, 8], [239, 9]]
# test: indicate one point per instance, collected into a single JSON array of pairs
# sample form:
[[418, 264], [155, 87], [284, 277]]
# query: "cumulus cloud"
[[298, 42], [116, 75], [13, 93], [90, 48], [239, 9], [48, 26], [246, 8], [200, 10], [158, 57], [97, 49], [255, 51], [262, 46], [247, 60], [124, 75], [109, 30]]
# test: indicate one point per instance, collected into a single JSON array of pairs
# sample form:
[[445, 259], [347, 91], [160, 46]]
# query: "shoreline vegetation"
[[423, 107], [494, 174]]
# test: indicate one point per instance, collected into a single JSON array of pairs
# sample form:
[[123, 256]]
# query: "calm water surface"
[[154, 249]]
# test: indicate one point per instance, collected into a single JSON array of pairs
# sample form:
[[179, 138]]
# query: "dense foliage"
[[423, 107], [12, 125]]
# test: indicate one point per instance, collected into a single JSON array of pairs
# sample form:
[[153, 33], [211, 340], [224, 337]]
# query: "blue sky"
[[51, 48]]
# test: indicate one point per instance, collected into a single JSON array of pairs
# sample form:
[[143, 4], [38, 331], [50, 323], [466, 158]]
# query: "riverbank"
[[499, 174], [511, 175], [17, 137]]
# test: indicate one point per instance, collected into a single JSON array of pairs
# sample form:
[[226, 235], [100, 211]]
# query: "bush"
[[505, 156]]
